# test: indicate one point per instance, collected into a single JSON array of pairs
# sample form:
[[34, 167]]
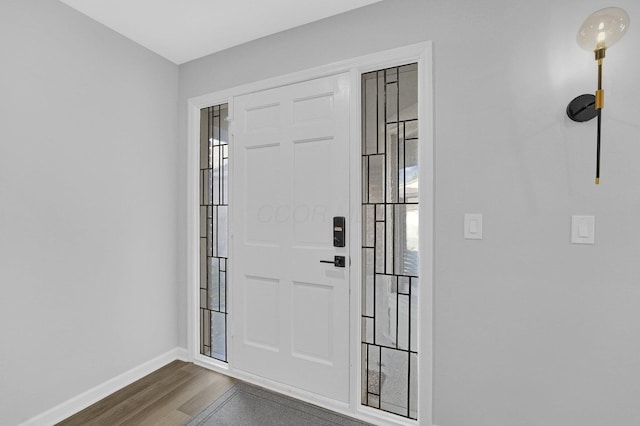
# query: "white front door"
[[291, 312]]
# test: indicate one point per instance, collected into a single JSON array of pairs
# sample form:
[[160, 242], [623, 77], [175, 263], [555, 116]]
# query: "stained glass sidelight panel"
[[214, 160], [390, 240]]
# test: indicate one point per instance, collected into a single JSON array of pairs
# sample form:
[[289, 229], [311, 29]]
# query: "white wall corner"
[[95, 394], [182, 354]]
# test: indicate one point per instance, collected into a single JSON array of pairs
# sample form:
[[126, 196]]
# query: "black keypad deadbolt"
[[339, 231]]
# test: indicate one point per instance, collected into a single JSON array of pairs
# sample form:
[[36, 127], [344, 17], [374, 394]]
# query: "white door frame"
[[420, 53]]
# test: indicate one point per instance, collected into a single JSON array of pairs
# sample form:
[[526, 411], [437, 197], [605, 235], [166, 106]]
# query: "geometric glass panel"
[[214, 160], [390, 258]]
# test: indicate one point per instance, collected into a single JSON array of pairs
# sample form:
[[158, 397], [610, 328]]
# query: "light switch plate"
[[473, 226], [583, 229]]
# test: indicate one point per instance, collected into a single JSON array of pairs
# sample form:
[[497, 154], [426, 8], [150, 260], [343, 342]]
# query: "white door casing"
[[291, 179], [421, 53]]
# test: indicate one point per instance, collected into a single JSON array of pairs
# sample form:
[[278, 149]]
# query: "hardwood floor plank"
[[174, 418], [162, 406], [144, 398], [170, 396], [100, 407]]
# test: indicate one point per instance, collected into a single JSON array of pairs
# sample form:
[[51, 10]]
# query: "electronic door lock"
[[338, 231], [338, 261]]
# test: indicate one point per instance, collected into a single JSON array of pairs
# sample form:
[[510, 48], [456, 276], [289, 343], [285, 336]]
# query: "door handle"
[[338, 261]]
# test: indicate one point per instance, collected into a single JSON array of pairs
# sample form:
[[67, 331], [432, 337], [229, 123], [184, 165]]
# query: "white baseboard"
[[93, 395], [182, 354], [85, 399]]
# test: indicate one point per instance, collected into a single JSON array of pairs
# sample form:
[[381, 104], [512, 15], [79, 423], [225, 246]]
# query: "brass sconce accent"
[[600, 31]]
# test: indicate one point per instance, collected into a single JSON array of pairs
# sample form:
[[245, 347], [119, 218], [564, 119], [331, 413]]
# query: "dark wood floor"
[[171, 395]]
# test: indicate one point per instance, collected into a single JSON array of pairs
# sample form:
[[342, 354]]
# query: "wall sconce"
[[600, 31]]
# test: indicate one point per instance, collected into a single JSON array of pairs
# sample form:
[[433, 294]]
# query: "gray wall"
[[88, 125], [529, 329]]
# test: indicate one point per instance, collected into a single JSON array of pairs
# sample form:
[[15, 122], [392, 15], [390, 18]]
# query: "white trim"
[[97, 393], [212, 364], [355, 231], [426, 99], [365, 63], [230, 223], [182, 354], [423, 56], [193, 234], [421, 53]]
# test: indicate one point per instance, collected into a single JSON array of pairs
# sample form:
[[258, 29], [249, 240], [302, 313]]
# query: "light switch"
[[473, 226], [583, 229]]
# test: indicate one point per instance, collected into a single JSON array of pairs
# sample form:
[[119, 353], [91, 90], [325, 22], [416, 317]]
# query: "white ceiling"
[[182, 30]]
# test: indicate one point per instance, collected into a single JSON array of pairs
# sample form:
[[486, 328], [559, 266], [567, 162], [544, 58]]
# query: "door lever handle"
[[338, 261]]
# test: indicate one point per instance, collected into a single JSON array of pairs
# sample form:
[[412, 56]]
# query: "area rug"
[[248, 405]]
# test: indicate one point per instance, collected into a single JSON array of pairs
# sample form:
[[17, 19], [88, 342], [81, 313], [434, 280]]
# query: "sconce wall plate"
[[582, 108]]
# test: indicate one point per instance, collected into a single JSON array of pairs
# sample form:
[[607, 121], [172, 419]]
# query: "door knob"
[[338, 261]]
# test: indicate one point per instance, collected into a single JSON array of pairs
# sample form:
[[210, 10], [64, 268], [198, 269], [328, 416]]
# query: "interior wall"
[[529, 329], [88, 125]]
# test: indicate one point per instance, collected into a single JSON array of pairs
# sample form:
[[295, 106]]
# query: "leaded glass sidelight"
[[214, 205], [390, 206]]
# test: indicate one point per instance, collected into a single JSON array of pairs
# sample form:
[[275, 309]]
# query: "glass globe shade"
[[603, 29]]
